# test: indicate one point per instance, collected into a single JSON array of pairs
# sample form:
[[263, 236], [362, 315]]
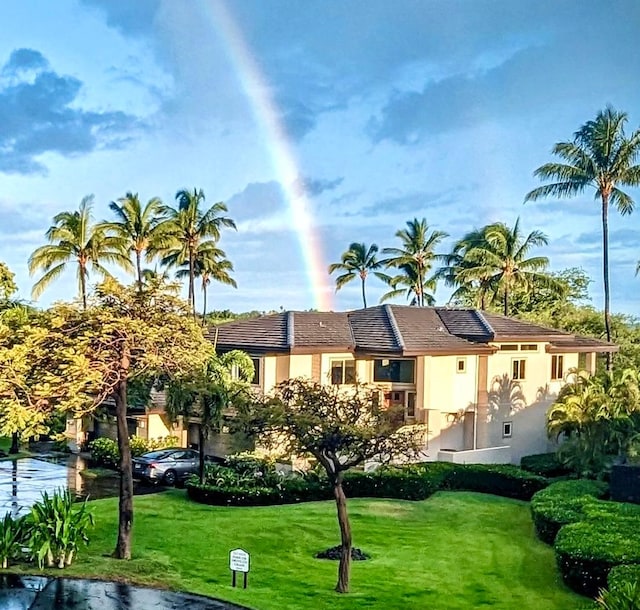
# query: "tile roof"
[[392, 329]]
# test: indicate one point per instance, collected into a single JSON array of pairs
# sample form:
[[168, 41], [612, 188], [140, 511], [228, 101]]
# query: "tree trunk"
[[15, 444], [204, 302], [139, 270], [605, 271], [201, 452], [83, 286], [364, 296], [192, 296], [506, 301], [345, 535], [125, 515]]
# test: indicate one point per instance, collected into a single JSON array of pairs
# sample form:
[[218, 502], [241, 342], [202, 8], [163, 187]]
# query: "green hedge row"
[[411, 482], [562, 503], [587, 551], [544, 464]]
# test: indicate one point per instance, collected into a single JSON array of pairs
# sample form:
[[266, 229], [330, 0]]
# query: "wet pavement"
[[41, 593], [23, 481]]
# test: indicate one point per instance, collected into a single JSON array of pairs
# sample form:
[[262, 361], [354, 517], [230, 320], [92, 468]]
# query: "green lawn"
[[454, 550]]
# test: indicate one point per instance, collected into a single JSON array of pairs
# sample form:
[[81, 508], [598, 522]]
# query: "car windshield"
[[157, 455]]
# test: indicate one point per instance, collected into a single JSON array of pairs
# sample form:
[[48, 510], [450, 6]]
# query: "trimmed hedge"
[[544, 464], [411, 482], [620, 575], [587, 551], [562, 503]]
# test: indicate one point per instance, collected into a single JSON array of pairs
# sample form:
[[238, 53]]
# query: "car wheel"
[[169, 477]]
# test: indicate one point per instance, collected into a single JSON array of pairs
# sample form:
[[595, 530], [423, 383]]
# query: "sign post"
[[239, 562]]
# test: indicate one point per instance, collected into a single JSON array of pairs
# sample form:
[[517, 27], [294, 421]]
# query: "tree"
[[414, 259], [136, 226], [203, 394], [358, 261], [602, 157], [600, 415], [73, 237], [185, 228], [125, 336], [8, 285], [340, 427], [210, 264], [500, 260]]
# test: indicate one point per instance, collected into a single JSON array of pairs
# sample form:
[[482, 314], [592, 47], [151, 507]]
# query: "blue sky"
[[393, 110]]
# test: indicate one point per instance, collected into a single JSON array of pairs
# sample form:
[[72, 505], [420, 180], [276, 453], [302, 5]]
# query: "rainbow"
[[280, 149]]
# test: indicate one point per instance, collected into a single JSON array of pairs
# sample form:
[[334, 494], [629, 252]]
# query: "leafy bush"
[[11, 534], [588, 550], [410, 482], [498, 479], [105, 451], [55, 527], [623, 590], [561, 503], [544, 464]]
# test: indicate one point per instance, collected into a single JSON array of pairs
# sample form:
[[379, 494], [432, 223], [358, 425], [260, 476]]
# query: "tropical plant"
[[136, 226], [74, 237], [210, 264], [11, 534], [626, 596], [600, 418], [8, 285], [413, 260], [185, 228], [223, 382], [602, 157], [496, 259], [56, 526], [358, 261]]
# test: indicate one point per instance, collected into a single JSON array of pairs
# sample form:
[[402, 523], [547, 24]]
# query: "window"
[[461, 365], [509, 348], [256, 371], [411, 404], [557, 371], [343, 371], [518, 368], [507, 429], [528, 347], [396, 371], [582, 361]]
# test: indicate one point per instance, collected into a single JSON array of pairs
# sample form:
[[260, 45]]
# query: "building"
[[481, 382]]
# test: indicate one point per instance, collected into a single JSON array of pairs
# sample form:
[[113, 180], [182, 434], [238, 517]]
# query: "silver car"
[[166, 466]]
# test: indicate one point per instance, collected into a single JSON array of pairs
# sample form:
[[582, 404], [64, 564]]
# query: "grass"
[[98, 473], [5, 445], [456, 550]]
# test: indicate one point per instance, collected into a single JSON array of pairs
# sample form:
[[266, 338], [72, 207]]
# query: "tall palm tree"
[[185, 228], [602, 157], [414, 259], [74, 237], [210, 264], [358, 261], [459, 271], [500, 259], [136, 225]]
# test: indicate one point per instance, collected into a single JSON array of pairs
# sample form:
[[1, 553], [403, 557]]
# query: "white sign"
[[239, 560]]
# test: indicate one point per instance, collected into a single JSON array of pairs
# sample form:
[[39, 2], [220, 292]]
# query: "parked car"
[[166, 465]]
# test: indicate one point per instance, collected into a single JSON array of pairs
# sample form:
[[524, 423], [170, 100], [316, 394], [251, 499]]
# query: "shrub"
[[544, 464], [623, 589], [104, 451], [498, 479], [588, 550], [561, 503], [11, 534], [55, 527]]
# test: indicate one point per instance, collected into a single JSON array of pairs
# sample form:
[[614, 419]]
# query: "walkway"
[[41, 593]]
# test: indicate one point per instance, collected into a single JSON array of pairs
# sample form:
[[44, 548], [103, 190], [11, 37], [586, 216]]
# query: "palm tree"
[[601, 157], [185, 228], [414, 259], [210, 264], [358, 261], [73, 237], [459, 271], [136, 225], [500, 260]]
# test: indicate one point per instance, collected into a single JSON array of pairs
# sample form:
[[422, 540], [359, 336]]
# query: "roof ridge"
[[395, 329], [484, 322], [291, 333]]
